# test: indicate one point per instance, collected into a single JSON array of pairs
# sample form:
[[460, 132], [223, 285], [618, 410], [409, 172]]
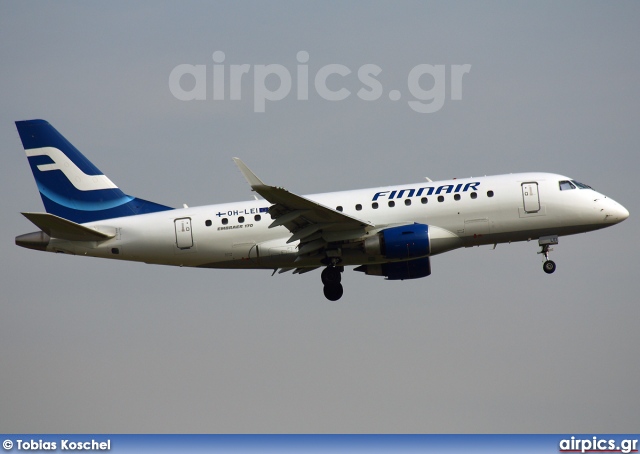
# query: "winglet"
[[248, 175]]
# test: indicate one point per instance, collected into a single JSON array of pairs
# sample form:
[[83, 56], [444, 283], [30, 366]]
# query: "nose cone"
[[615, 212]]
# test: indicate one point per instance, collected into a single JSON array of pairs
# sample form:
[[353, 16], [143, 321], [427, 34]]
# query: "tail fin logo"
[[80, 180]]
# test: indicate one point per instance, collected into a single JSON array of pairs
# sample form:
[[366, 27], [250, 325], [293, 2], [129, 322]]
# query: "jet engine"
[[408, 248]]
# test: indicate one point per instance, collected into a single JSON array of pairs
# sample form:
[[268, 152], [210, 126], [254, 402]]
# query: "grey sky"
[[487, 343]]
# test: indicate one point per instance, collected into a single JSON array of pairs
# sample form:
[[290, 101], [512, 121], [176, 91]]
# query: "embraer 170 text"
[[390, 231]]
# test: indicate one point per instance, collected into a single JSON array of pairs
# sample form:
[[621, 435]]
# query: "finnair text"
[[427, 190]]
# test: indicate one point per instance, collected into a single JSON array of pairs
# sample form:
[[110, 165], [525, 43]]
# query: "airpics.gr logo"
[[595, 444], [421, 100]]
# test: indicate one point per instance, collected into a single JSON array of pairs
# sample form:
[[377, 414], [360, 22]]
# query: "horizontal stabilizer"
[[57, 227]]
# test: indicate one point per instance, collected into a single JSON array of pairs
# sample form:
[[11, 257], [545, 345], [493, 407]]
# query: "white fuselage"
[[471, 211]]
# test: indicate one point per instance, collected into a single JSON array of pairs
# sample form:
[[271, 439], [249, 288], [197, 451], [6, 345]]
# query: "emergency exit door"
[[184, 239], [530, 197]]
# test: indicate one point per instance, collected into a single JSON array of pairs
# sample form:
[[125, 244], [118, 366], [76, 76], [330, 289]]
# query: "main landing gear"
[[545, 242], [331, 277]]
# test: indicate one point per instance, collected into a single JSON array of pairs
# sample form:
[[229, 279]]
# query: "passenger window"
[[339, 208], [456, 197], [207, 222], [358, 207], [424, 200], [489, 193], [407, 202], [257, 217], [225, 221], [566, 185], [440, 198], [241, 219], [474, 195], [392, 203], [374, 205]]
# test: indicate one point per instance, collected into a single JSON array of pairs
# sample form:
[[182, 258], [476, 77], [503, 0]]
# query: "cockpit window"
[[581, 185], [565, 185]]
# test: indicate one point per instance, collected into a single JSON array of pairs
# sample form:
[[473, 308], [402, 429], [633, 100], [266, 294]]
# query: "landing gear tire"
[[545, 242], [333, 291], [331, 275], [549, 266]]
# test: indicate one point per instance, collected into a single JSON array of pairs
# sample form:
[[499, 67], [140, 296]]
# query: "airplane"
[[386, 231]]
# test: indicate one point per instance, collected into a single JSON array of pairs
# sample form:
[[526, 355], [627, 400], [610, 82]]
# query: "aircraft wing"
[[314, 224]]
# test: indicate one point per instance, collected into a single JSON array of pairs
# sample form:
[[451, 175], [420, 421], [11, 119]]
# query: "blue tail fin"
[[71, 187]]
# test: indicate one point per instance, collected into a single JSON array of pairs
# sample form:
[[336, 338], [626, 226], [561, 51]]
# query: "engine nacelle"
[[394, 271], [403, 242], [411, 246], [411, 241]]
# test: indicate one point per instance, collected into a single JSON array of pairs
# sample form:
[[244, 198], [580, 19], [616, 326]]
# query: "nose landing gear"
[[331, 278], [549, 266]]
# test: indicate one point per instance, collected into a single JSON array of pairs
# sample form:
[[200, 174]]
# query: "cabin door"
[[530, 197], [184, 238]]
